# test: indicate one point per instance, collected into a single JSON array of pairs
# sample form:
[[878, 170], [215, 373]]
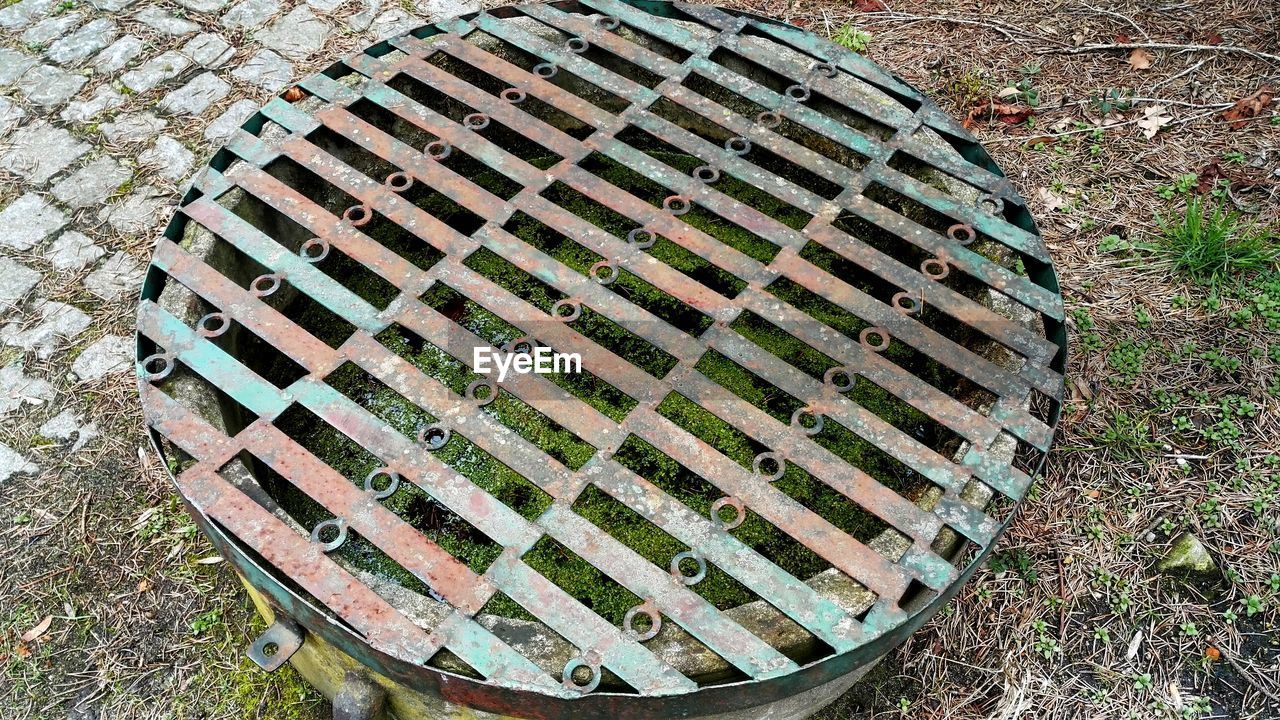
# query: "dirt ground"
[[1172, 422]]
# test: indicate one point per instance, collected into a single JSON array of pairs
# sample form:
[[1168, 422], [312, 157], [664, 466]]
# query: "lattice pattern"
[[635, 88]]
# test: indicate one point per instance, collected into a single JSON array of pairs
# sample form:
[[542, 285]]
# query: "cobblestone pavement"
[[106, 108]]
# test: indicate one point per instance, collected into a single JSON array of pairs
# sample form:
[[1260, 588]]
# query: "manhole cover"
[[803, 348]]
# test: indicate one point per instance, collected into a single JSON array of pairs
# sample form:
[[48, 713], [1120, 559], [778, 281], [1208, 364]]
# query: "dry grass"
[[97, 543]]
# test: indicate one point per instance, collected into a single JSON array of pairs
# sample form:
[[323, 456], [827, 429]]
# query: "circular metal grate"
[[820, 339]]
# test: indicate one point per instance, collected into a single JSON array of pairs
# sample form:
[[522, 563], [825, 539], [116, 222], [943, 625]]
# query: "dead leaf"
[[293, 94], [1042, 140], [1247, 108], [1052, 201], [1004, 112], [1208, 177], [870, 6], [1212, 654], [144, 585], [1153, 118], [40, 629], [22, 650], [211, 560], [1140, 59], [1214, 38], [1123, 39], [1133, 646]]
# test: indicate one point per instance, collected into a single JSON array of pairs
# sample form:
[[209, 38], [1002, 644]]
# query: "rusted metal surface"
[[814, 88]]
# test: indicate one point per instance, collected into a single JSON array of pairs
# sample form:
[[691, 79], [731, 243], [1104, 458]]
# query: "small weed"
[[1210, 245], [853, 38], [205, 621]]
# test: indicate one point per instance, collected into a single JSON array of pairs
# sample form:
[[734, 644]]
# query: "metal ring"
[[599, 275], [738, 145], [335, 543], [545, 71], [608, 22], [990, 204], [688, 579], [309, 252], [273, 284], [399, 181], [832, 373], [574, 314], [476, 121], [725, 502], [939, 271], [202, 325], [391, 487], [824, 69], [906, 303], [576, 45], [649, 610], [433, 436], [573, 665], [513, 95], [154, 375], [650, 238], [799, 93], [955, 231], [476, 384], [513, 347], [358, 215], [676, 204], [707, 174], [865, 336], [769, 119], [438, 149], [797, 420], [758, 465]]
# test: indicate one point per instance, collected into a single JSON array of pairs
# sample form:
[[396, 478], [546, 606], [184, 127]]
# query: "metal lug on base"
[[277, 644], [359, 698]]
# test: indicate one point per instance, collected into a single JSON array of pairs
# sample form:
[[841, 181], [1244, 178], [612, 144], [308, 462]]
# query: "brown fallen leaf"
[[1042, 140], [1052, 201], [1004, 112], [1208, 177], [293, 94], [1140, 59], [1214, 38], [1122, 39], [40, 629], [870, 6], [1247, 108]]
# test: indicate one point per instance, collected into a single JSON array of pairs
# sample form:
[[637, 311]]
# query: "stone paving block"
[[112, 5], [170, 158], [91, 184], [133, 128], [208, 50], [66, 425], [118, 275], [118, 54], [12, 463], [296, 35], [50, 29], [48, 86], [110, 354], [165, 66], [85, 41], [104, 98], [265, 69], [39, 151], [250, 14], [10, 116], [326, 6], [29, 220], [137, 213], [17, 388], [14, 65], [25, 12], [54, 323], [196, 96], [164, 21], [224, 126], [16, 280], [203, 6], [72, 251], [392, 23]]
